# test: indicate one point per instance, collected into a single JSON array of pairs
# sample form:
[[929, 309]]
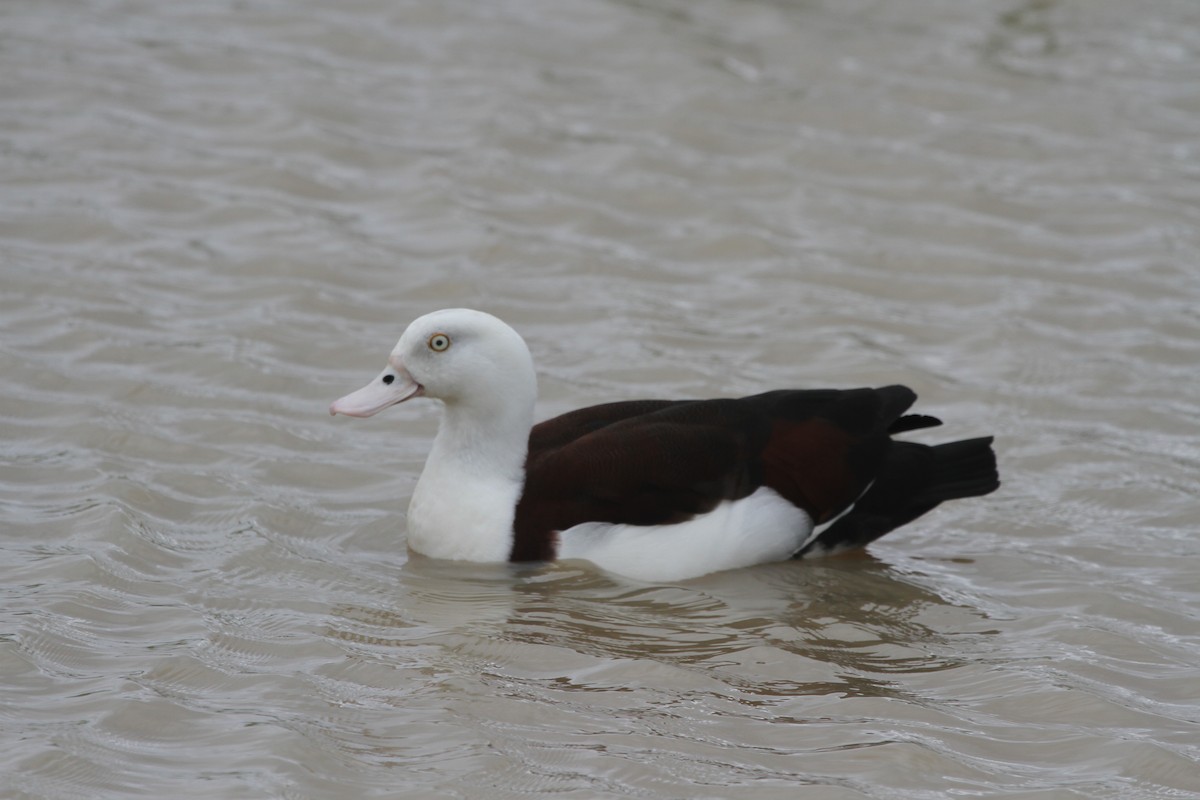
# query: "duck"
[[654, 490]]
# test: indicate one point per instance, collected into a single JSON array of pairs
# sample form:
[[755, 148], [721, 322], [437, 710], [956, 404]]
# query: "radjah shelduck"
[[656, 490]]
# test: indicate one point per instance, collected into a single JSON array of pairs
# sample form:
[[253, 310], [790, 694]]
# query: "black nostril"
[[388, 379]]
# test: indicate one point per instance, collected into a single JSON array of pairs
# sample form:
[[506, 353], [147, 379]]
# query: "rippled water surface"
[[216, 216]]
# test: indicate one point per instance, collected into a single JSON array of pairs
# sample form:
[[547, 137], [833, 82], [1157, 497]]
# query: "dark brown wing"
[[564, 429], [653, 461]]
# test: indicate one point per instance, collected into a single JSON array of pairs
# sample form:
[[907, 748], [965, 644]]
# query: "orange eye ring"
[[439, 342]]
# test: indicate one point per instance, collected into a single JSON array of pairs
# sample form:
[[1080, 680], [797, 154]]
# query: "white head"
[[467, 359], [464, 502]]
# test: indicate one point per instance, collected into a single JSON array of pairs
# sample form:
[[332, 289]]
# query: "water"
[[215, 217]]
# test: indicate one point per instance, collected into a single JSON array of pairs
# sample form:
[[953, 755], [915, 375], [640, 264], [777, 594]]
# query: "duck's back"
[[663, 462]]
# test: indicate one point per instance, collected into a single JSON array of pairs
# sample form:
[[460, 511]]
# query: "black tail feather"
[[963, 469], [915, 478], [913, 422]]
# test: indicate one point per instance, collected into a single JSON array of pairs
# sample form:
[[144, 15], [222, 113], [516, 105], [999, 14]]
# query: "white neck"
[[465, 500]]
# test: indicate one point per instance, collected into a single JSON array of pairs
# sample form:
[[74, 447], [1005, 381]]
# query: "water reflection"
[[840, 628]]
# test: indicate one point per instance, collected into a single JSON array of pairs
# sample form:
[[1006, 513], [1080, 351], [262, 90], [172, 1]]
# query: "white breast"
[[757, 529], [468, 518]]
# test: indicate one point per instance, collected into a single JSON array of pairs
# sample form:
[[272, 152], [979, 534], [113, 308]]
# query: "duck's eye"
[[439, 342]]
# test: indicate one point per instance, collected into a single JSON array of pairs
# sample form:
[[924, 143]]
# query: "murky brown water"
[[217, 216]]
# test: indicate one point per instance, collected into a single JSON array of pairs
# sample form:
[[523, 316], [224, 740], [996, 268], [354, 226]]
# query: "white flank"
[[758, 529]]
